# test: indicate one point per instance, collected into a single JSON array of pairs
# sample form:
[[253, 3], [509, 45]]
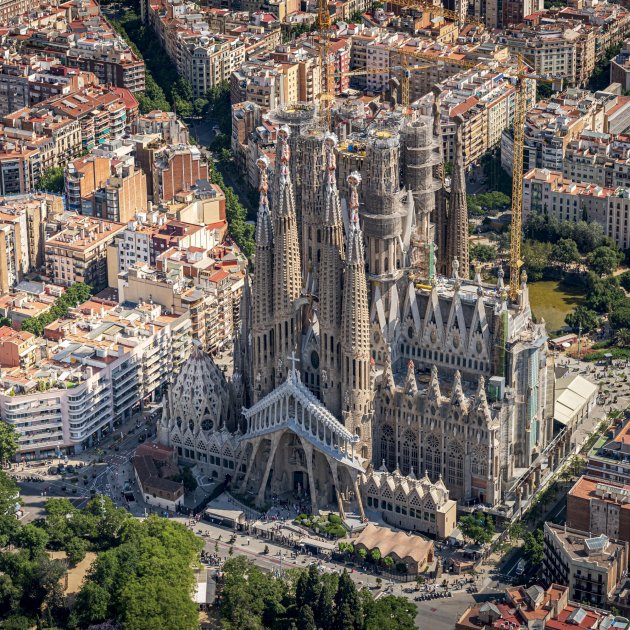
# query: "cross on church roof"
[[293, 360]]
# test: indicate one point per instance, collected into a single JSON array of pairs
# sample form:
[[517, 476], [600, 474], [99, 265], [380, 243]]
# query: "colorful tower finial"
[[354, 179]]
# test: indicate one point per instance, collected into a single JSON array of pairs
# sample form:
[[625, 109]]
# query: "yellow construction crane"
[[517, 169], [520, 77], [408, 69], [427, 7]]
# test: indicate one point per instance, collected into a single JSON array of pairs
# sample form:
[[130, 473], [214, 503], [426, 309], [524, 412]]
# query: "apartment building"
[[11, 8], [553, 124], [110, 59], [141, 283], [176, 169], [57, 137], [28, 213], [102, 114], [105, 365], [83, 177], [600, 507], [209, 60], [620, 67], [165, 124], [122, 196], [20, 169], [149, 235], [591, 566], [78, 253], [549, 193], [18, 348], [524, 607], [485, 101], [610, 462], [550, 49]]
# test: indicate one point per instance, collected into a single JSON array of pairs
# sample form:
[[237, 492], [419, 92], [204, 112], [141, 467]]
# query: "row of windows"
[[398, 509]]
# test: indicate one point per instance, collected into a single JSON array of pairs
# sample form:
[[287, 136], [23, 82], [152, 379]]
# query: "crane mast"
[[517, 180]]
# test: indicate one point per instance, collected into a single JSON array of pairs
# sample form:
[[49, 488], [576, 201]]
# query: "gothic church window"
[[409, 453], [388, 447], [479, 463], [433, 457], [455, 464]]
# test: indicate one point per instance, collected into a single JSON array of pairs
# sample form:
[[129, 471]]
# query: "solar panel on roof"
[[577, 616], [596, 544]]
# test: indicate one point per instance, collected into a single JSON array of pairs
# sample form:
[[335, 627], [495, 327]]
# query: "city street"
[[442, 611]]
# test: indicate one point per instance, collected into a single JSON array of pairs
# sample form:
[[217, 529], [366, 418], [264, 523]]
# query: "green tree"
[[388, 561], [620, 316], [52, 180], [389, 613], [622, 338], [533, 546], [477, 527], [31, 538], [307, 587], [147, 574], [536, 256], [604, 294], [307, 619], [76, 549], [348, 611], [565, 251], [8, 442], [483, 253], [324, 610], [604, 260], [91, 606], [582, 317], [516, 531], [362, 553], [375, 554]]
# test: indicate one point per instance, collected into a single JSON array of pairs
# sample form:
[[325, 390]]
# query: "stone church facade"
[[365, 348]]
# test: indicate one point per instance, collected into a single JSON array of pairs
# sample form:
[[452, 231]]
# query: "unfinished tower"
[[420, 156]]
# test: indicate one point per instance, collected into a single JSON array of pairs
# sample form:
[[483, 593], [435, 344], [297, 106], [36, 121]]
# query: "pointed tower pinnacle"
[[388, 376], [355, 333], [457, 394], [457, 235], [287, 274], [330, 280], [262, 305], [434, 391], [411, 386]]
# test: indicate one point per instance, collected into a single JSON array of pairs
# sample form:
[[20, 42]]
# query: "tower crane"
[[427, 7], [520, 78]]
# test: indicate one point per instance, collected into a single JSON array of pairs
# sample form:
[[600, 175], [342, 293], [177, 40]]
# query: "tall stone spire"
[[330, 281], [262, 305], [440, 213], [312, 170], [355, 333], [287, 274], [457, 234]]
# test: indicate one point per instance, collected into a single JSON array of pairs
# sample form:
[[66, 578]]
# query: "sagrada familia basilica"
[[373, 370]]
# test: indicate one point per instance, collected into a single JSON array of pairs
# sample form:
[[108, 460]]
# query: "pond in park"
[[553, 300]]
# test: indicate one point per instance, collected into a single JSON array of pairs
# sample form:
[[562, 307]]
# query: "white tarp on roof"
[[572, 394]]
